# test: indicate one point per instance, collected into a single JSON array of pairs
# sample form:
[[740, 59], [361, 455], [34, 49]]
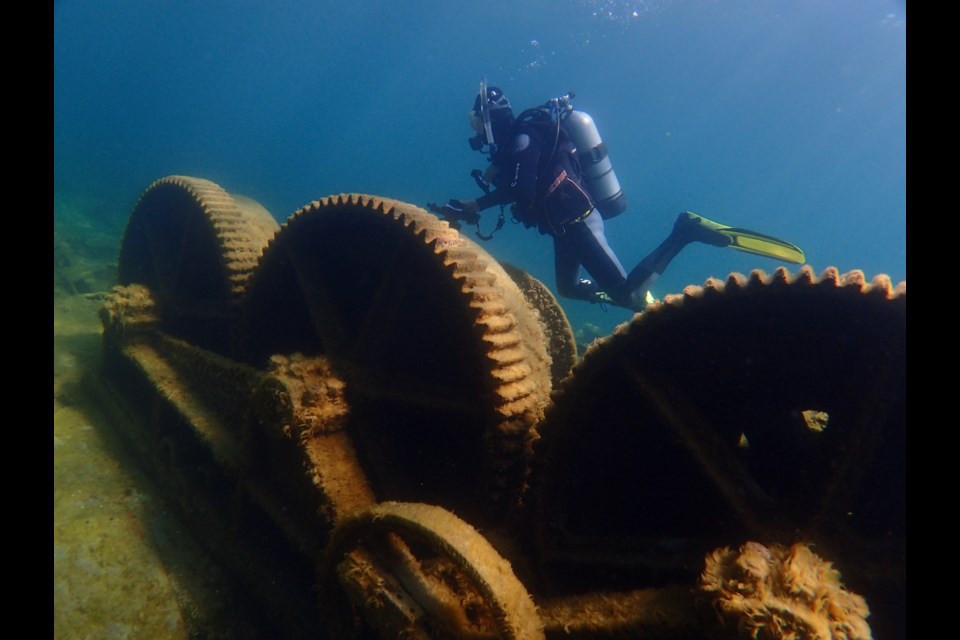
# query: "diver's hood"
[[495, 116]]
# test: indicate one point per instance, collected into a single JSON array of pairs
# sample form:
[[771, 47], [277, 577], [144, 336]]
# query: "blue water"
[[782, 116]]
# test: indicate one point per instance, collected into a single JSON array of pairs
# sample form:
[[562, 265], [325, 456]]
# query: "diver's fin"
[[699, 229]]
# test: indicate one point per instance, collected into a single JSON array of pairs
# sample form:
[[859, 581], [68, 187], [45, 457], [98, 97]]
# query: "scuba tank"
[[558, 116], [598, 175]]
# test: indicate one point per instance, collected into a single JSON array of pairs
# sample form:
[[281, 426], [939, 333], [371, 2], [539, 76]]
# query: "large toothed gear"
[[351, 381], [760, 407], [444, 362], [194, 246], [561, 341]]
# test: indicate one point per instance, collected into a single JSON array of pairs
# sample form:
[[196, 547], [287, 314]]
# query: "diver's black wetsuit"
[[535, 166], [578, 236]]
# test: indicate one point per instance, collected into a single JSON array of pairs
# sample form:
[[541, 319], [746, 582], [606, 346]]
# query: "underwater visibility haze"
[[784, 117]]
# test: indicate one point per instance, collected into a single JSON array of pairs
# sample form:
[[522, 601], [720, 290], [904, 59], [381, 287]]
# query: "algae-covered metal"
[[390, 434]]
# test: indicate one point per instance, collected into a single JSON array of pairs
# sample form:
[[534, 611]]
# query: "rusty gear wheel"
[[562, 343], [406, 570], [444, 362], [194, 246], [769, 407]]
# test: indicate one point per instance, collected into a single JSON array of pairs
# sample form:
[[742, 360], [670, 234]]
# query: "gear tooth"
[[780, 276], [757, 278], [386, 207], [447, 241], [507, 355], [471, 271], [692, 291], [506, 375], [736, 281], [513, 377], [439, 238], [853, 278], [497, 324], [459, 255], [830, 276], [713, 285], [882, 284], [507, 340], [805, 275], [517, 406], [489, 307], [480, 287]]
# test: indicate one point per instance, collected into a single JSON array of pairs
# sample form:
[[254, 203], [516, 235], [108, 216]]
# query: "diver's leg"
[[643, 276], [585, 244], [685, 231], [567, 269], [566, 266]]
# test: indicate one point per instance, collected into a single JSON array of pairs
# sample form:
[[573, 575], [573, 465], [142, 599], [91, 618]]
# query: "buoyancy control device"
[[598, 175]]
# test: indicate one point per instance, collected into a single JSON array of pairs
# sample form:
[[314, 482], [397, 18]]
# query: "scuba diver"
[[551, 165]]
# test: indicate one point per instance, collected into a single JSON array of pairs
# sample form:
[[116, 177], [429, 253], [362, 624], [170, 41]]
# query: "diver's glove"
[[457, 210]]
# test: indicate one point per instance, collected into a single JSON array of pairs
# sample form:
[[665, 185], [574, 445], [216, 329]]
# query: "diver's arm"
[[469, 210], [487, 200], [501, 195], [516, 177]]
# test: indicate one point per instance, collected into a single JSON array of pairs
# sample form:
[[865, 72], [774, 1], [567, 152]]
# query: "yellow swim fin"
[[701, 229]]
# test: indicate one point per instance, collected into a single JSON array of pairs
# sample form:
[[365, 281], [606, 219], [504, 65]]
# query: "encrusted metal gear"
[[761, 407], [337, 389], [194, 246], [404, 570], [562, 343], [444, 362]]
